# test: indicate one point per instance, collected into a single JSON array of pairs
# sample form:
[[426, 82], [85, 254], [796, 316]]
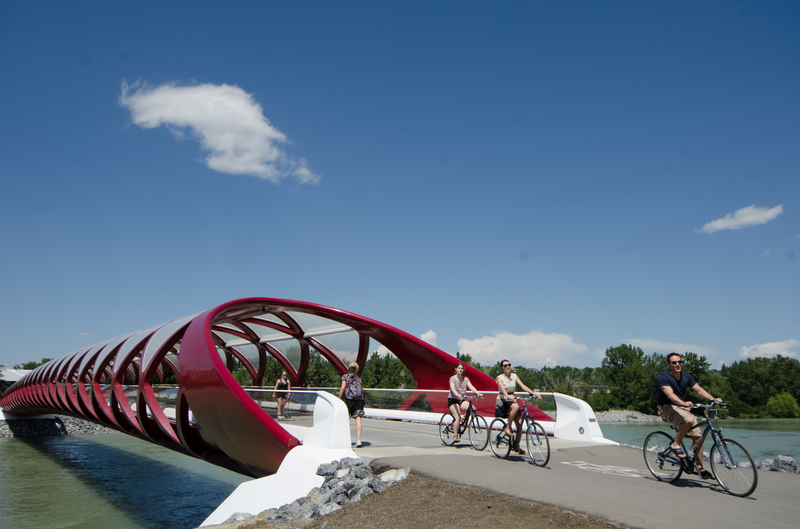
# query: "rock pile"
[[625, 416], [346, 481], [57, 425], [779, 464]]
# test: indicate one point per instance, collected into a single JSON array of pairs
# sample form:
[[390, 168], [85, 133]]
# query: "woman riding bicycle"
[[506, 406], [456, 399]]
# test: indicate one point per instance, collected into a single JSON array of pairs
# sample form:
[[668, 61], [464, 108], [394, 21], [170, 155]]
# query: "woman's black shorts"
[[355, 408], [502, 409], [450, 402]]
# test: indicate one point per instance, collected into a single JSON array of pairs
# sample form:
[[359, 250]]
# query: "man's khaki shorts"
[[677, 415]]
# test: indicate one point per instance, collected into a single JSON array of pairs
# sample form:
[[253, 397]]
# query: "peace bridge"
[[209, 415]]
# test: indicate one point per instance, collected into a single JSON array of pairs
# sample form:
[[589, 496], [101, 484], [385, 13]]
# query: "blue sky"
[[536, 181]]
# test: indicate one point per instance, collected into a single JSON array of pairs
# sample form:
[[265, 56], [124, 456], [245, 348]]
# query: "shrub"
[[783, 406]]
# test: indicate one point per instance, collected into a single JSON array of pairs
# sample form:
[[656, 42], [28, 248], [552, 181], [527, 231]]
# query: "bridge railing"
[[571, 417], [301, 400]]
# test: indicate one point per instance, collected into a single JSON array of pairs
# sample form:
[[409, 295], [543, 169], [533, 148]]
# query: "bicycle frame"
[[538, 445], [731, 465], [716, 435], [471, 410], [471, 423], [523, 402]]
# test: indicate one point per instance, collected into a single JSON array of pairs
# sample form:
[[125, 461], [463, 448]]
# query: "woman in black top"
[[281, 396]]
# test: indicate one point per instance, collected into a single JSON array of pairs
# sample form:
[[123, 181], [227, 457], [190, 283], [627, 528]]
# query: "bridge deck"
[[611, 482]]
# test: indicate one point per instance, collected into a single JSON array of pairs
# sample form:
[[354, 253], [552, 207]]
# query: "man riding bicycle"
[[675, 409]]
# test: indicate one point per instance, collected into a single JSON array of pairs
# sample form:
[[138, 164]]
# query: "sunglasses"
[[676, 362], [505, 365]]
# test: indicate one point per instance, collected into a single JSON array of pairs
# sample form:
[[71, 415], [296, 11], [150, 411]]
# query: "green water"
[[105, 480], [763, 438]]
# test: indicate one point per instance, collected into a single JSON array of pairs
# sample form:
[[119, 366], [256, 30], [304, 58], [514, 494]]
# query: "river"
[[105, 480], [763, 438]]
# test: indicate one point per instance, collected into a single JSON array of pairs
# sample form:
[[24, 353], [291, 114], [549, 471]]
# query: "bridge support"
[[327, 440]]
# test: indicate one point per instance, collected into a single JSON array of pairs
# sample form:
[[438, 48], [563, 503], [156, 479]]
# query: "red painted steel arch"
[[111, 383]]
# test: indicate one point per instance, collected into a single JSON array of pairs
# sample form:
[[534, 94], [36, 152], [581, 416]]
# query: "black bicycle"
[[731, 464], [535, 437], [472, 422]]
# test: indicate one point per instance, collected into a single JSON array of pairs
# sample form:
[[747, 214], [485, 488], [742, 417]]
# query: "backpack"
[[353, 390]]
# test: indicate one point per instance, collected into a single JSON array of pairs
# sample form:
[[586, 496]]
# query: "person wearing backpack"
[[353, 393]]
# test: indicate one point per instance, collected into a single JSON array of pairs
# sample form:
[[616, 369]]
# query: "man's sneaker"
[[358, 444]]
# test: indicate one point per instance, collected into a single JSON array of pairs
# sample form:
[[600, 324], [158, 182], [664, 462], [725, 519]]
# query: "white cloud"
[[227, 121], [429, 337], [654, 346], [770, 349], [743, 218], [535, 349]]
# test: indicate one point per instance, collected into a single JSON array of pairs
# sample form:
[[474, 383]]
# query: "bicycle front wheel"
[[478, 432], [733, 468], [446, 433], [538, 444], [499, 441], [660, 459]]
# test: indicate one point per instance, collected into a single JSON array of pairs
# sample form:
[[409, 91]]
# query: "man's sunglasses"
[[676, 362]]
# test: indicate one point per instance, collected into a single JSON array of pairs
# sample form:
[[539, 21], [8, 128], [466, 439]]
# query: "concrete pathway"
[[609, 482]]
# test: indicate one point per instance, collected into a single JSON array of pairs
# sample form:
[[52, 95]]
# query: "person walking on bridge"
[[353, 393], [280, 395], [675, 409]]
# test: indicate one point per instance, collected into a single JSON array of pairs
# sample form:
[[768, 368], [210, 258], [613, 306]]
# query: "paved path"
[[610, 482]]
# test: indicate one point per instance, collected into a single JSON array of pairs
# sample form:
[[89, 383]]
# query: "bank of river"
[[105, 480], [763, 438]]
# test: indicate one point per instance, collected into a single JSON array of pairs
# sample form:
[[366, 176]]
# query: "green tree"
[[563, 380], [386, 372], [698, 367], [599, 400], [783, 406], [754, 381], [631, 381], [465, 358], [320, 374], [32, 365], [785, 375]]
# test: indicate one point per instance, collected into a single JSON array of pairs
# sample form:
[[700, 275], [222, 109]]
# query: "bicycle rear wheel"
[[446, 433], [660, 459], [733, 468], [478, 432], [499, 441], [538, 444]]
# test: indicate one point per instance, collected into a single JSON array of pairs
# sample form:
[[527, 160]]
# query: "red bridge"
[[213, 417]]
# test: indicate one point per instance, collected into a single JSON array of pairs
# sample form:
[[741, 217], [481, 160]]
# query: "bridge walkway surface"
[[606, 481]]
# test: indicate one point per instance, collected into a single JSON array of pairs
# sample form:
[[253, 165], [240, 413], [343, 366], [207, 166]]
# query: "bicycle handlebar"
[[529, 397]]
